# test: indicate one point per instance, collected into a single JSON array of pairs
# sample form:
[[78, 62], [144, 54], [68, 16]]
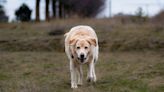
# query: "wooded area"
[[69, 8]]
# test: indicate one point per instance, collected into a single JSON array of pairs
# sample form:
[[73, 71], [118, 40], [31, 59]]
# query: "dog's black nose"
[[82, 56]]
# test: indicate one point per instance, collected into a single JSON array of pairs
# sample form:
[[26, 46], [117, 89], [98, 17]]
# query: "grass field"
[[32, 58], [49, 72]]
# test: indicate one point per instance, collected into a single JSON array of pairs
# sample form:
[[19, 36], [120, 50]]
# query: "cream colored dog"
[[81, 47]]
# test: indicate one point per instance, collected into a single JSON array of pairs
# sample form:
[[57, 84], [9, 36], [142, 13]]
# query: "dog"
[[81, 47]]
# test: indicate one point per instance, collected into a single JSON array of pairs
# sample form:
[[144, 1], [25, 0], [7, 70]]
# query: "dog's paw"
[[74, 86], [79, 83], [94, 79], [91, 79]]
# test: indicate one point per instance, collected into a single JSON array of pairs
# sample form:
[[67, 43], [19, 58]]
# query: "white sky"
[[150, 7]]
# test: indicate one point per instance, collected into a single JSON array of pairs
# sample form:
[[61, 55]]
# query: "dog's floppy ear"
[[73, 41], [92, 41], [65, 34]]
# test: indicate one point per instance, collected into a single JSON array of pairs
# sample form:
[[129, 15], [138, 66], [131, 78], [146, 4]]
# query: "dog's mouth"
[[82, 59]]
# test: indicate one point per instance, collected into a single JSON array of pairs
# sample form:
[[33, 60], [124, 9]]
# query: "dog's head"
[[82, 48]]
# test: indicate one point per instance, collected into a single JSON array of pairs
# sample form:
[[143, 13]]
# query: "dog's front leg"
[[80, 75], [91, 72], [73, 72]]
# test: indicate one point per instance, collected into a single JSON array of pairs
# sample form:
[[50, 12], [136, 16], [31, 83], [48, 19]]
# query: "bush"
[[159, 18], [23, 13]]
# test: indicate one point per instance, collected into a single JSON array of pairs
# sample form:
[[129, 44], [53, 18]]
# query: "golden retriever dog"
[[81, 47]]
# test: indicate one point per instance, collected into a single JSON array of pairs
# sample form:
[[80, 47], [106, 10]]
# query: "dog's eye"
[[78, 47], [86, 47]]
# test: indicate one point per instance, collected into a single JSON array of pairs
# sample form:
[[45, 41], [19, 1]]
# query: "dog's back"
[[80, 31]]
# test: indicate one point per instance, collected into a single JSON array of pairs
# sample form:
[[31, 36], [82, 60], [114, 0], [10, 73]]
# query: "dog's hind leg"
[[94, 74]]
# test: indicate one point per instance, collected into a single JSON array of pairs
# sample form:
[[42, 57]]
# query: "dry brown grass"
[[32, 58], [112, 35], [49, 71]]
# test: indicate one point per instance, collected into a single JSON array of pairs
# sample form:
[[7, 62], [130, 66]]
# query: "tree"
[[37, 15], [57, 8], [68, 8], [82, 8], [88, 8], [140, 16], [47, 14], [54, 8], [140, 12], [23, 13], [3, 17]]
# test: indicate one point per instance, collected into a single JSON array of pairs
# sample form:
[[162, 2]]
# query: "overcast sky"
[[150, 7]]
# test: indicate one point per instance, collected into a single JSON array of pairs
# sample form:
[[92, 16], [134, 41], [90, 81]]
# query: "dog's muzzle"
[[82, 58]]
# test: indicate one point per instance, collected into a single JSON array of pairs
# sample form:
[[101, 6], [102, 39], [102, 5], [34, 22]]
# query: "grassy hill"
[[113, 36], [32, 57]]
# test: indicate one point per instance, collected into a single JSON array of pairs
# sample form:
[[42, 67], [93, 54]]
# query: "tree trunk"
[[37, 11], [60, 9], [54, 8], [47, 10]]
